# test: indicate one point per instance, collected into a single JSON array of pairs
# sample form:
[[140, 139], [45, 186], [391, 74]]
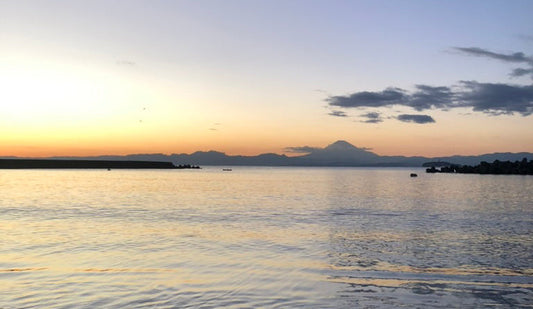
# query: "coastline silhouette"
[[88, 164], [497, 167]]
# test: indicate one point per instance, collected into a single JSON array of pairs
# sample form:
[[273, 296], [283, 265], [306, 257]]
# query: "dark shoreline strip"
[[85, 164], [495, 168]]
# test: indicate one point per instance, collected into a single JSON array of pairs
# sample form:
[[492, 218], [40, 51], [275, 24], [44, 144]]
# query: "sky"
[[431, 78]]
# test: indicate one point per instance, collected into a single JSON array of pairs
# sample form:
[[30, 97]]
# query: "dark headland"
[[86, 164]]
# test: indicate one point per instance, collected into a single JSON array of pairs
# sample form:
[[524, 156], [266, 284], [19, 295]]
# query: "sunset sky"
[[428, 78]]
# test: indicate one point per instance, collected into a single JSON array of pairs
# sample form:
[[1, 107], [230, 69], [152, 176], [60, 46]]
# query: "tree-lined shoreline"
[[523, 167]]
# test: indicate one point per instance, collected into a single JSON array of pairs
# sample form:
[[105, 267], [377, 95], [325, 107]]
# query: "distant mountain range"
[[340, 153]]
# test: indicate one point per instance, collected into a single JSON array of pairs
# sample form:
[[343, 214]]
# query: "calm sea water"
[[264, 237]]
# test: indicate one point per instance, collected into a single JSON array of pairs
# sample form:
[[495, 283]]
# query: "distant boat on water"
[[226, 169]]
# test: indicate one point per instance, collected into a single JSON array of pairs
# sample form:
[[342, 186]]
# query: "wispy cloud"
[[518, 57], [215, 126], [480, 52], [521, 72], [125, 63], [303, 149], [372, 117], [337, 114]]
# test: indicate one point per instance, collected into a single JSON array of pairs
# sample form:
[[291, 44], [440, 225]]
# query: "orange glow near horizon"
[[54, 108], [73, 145]]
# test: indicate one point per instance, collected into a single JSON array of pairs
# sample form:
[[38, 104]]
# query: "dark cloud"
[[426, 97], [512, 58], [338, 114], [373, 120], [480, 52], [304, 149], [387, 97], [521, 72], [490, 98], [372, 117], [496, 99], [416, 118]]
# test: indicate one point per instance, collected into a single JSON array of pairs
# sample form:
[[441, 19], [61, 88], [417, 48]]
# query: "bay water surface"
[[264, 237]]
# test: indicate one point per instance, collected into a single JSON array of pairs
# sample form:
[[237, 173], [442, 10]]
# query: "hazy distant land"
[[340, 153]]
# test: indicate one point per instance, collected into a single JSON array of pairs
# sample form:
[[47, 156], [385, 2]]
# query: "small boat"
[[226, 169], [414, 175]]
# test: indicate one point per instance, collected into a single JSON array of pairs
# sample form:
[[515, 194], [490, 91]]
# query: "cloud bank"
[[489, 98], [389, 96], [497, 99]]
